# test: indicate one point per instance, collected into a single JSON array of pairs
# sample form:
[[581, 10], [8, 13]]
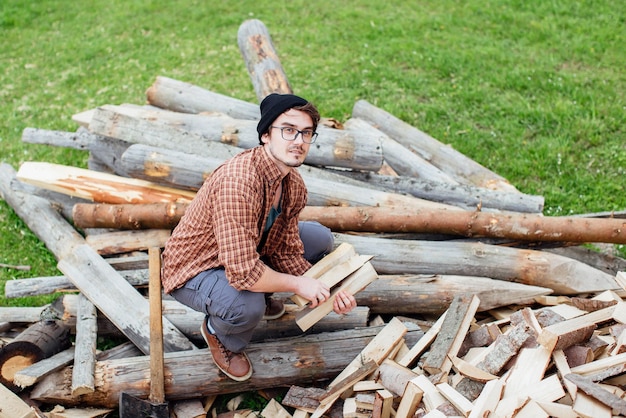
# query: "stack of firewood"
[[471, 303]]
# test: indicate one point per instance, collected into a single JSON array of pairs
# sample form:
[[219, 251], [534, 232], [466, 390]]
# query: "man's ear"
[[265, 138]]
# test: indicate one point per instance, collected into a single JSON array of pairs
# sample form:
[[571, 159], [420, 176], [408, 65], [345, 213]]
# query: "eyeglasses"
[[290, 134]]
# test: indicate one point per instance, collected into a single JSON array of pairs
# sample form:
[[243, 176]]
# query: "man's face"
[[288, 153]]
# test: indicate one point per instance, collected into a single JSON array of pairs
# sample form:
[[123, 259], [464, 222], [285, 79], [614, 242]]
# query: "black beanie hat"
[[273, 106]]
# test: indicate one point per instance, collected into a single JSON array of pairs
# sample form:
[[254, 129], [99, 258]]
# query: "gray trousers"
[[233, 314]]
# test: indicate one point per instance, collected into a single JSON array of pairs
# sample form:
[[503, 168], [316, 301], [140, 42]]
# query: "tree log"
[[39, 341], [432, 294], [279, 363], [354, 149], [446, 158], [400, 159], [564, 276], [266, 72], [515, 226], [462, 195], [178, 96]]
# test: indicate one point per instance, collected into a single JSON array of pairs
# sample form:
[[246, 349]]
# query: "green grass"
[[534, 90]]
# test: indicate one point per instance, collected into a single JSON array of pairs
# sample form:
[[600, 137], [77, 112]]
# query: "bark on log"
[[256, 47], [353, 149], [564, 276], [515, 226], [168, 168], [280, 363], [178, 96], [39, 341], [462, 195], [432, 294], [401, 159], [446, 158]]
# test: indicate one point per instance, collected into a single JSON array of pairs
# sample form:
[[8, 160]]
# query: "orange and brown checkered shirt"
[[223, 224]]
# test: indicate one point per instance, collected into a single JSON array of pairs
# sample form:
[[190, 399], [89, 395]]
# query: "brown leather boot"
[[234, 365], [274, 309]]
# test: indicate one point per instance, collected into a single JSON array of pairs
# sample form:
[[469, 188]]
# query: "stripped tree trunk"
[[264, 67]]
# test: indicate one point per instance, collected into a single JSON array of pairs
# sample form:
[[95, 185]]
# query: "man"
[[240, 240]]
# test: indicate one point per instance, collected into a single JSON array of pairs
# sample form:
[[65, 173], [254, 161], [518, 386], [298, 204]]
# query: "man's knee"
[[318, 240]]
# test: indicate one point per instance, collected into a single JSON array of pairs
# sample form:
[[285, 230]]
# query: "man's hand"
[[313, 290], [344, 303]]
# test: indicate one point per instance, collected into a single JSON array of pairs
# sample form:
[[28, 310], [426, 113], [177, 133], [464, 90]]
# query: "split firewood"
[[453, 330], [570, 332], [383, 404], [353, 284], [30, 375], [597, 392], [85, 352], [305, 399]]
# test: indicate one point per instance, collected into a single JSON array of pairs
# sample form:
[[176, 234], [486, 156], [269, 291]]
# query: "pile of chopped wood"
[[471, 303]]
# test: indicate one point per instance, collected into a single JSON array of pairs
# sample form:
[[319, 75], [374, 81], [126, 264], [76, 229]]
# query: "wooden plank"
[[13, 406], [453, 331], [422, 345], [121, 242], [431, 396], [85, 343], [572, 331], [460, 402], [488, 399], [353, 284], [90, 184], [335, 391]]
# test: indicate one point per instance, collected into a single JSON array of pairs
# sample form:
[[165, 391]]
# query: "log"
[[276, 364], [39, 341], [564, 276], [352, 149], [462, 195], [179, 96], [515, 226], [96, 186], [447, 159], [400, 159], [258, 52]]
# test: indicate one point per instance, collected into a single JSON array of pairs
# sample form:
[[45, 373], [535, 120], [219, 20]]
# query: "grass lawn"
[[535, 90]]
